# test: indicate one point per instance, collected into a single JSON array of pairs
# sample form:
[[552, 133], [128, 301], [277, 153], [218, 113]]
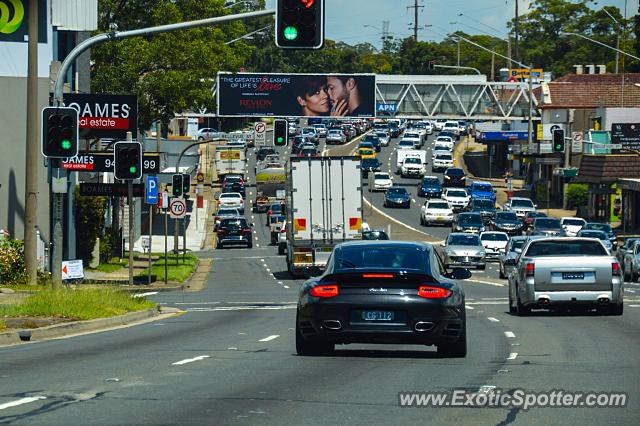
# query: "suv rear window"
[[566, 248], [234, 223]]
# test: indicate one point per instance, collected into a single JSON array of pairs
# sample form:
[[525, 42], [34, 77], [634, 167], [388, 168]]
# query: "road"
[[230, 359]]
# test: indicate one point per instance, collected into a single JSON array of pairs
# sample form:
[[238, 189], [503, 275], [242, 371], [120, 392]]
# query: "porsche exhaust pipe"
[[332, 324], [423, 326]]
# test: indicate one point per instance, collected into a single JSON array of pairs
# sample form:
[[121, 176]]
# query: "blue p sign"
[[151, 194]]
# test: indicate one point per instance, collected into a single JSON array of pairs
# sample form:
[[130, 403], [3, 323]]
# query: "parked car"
[[454, 176], [603, 227], [334, 308], [430, 187], [560, 272], [598, 235], [547, 226], [494, 243], [234, 231], [463, 250], [572, 225], [519, 205], [380, 181], [507, 222], [397, 196], [457, 198], [468, 223], [436, 211]]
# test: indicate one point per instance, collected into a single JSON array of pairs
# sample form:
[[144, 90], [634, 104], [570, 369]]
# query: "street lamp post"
[[617, 37]]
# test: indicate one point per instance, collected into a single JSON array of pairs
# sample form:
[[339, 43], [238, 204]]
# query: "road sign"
[[549, 160], [576, 142], [151, 195], [200, 177], [233, 136], [626, 134], [111, 189], [386, 108], [546, 148], [260, 132], [72, 270], [178, 208], [163, 200]]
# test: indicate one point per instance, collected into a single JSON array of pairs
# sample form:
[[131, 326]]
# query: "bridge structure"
[[465, 97]]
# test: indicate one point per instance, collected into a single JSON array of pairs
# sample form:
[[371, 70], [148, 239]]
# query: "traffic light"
[[300, 24], [431, 65], [186, 183], [176, 186], [127, 158], [59, 132], [280, 133], [558, 140]]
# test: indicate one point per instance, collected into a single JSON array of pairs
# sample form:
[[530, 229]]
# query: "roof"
[[608, 168], [590, 91]]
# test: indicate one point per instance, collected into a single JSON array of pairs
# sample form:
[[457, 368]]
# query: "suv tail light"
[[433, 292], [247, 230], [325, 290], [531, 270], [615, 269], [221, 231]]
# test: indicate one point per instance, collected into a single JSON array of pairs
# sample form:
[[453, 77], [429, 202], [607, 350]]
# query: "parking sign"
[[151, 192]]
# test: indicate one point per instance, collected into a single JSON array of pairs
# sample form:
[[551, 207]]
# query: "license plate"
[[440, 218], [573, 275], [377, 315]]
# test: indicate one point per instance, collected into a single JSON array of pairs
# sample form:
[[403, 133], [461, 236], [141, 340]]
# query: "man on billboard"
[[345, 95]]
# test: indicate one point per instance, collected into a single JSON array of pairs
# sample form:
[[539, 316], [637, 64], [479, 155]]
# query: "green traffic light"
[[291, 33], [133, 169], [66, 144], [280, 139]]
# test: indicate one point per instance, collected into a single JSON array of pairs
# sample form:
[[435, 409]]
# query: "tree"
[[89, 217]]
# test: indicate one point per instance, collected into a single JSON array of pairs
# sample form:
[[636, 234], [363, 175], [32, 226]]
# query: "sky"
[[346, 19]]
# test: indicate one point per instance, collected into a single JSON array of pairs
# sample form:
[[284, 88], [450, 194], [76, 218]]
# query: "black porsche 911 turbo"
[[395, 292]]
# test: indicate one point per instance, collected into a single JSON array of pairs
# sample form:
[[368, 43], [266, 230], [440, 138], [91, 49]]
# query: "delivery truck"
[[230, 161], [270, 183], [323, 208]]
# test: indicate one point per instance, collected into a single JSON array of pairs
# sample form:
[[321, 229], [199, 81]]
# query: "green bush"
[[12, 266], [577, 194]]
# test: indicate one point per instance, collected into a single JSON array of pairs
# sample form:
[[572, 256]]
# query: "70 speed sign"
[[178, 208]]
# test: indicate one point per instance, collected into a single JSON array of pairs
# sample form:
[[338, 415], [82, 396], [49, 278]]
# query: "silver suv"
[[520, 206]]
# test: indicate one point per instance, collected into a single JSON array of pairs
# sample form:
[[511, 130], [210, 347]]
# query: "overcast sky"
[[346, 19]]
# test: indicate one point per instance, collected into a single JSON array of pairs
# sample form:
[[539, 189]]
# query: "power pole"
[[32, 154], [415, 18], [517, 30]]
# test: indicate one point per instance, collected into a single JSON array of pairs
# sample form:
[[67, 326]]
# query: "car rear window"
[[573, 222], [593, 234], [544, 222], [234, 223], [494, 237], [522, 203], [438, 205], [387, 257], [506, 216], [463, 240], [565, 248], [397, 191], [454, 172]]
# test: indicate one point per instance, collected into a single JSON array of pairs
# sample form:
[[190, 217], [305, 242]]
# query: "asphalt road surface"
[[230, 359]]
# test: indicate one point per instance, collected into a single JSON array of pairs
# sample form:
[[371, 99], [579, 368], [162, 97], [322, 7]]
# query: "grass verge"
[[177, 270], [111, 266], [78, 304], [3, 326]]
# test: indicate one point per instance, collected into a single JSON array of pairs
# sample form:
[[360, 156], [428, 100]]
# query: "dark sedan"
[[606, 228], [454, 177], [548, 227], [397, 196], [430, 187], [507, 222], [369, 165], [392, 292]]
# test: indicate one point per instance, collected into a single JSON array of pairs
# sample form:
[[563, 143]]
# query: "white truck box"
[[230, 160]]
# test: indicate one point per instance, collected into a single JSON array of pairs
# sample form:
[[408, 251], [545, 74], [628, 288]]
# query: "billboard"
[[627, 135], [296, 95], [104, 116]]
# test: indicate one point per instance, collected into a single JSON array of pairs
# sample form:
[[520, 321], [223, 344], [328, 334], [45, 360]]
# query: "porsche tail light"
[[433, 292], [325, 290]]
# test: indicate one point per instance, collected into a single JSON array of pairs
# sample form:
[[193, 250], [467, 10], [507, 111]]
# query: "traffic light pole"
[[131, 233], [32, 163]]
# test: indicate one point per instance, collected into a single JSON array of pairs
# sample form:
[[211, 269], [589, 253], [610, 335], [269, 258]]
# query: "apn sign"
[[105, 116]]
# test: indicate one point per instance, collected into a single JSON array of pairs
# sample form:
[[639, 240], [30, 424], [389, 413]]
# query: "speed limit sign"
[[178, 208]]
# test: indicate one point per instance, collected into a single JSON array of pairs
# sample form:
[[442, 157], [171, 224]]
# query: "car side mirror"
[[460, 274], [510, 262]]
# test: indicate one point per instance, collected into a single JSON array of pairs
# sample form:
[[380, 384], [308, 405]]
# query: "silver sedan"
[[464, 250]]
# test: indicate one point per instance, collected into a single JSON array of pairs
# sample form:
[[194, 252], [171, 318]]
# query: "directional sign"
[[260, 132], [233, 136], [178, 208], [151, 195]]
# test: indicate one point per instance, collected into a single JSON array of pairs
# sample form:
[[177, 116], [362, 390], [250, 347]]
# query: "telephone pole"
[[415, 18], [517, 31]]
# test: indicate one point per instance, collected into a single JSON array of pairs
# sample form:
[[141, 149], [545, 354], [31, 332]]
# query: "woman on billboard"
[[312, 97]]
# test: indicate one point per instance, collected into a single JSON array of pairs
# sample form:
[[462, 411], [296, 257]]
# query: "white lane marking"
[[279, 282], [187, 361], [634, 306], [494, 298], [469, 307], [512, 356], [630, 291], [268, 270], [269, 338], [509, 335], [257, 245], [232, 348], [286, 286], [253, 217], [492, 319], [149, 293], [261, 260], [21, 402], [486, 389], [400, 223], [487, 282]]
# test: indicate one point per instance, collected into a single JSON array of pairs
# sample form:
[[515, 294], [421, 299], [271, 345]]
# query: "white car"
[[231, 200], [457, 198], [384, 137], [206, 133], [444, 139], [406, 144], [494, 243], [439, 124], [380, 181], [414, 137], [452, 126], [442, 161], [572, 225], [413, 166], [436, 211], [321, 129]]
